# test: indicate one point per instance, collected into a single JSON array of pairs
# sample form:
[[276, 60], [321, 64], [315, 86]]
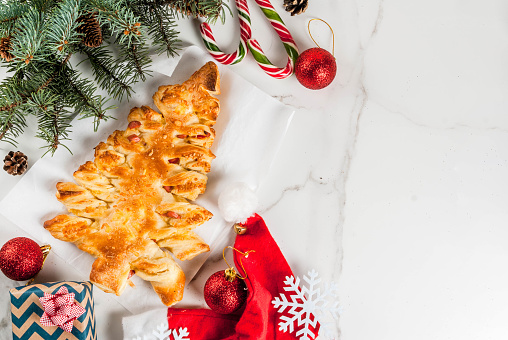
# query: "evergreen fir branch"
[[43, 5], [9, 99], [38, 78], [53, 119], [12, 118], [161, 25], [61, 31], [106, 33], [118, 17], [43, 34], [14, 92], [81, 96], [215, 10], [28, 43], [12, 124], [209, 9], [10, 11], [42, 74], [136, 58], [15, 98], [108, 74]]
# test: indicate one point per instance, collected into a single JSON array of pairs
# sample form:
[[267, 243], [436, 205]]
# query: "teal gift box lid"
[[26, 311]]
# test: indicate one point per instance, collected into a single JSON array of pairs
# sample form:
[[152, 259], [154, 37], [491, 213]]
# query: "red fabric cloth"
[[267, 269], [202, 323]]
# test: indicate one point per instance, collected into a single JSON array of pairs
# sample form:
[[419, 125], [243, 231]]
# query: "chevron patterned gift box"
[[26, 311]]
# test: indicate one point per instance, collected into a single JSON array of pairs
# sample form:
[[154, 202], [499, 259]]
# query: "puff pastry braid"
[[133, 198]]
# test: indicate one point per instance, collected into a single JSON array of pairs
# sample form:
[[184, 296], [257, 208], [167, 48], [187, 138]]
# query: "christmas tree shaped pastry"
[[132, 200]]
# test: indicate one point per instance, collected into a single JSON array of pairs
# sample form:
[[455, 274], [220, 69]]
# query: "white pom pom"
[[237, 202]]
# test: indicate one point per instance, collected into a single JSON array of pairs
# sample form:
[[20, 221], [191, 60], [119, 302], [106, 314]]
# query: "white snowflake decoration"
[[308, 306], [181, 334], [163, 333]]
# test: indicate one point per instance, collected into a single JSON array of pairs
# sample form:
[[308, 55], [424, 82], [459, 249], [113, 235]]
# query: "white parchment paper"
[[250, 128]]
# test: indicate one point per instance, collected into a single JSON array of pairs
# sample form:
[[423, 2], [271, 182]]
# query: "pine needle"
[[41, 36]]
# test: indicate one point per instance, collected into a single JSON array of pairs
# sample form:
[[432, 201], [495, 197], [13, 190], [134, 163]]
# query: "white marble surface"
[[391, 181]]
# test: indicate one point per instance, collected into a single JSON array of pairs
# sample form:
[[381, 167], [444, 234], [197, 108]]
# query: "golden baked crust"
[[132, 199]]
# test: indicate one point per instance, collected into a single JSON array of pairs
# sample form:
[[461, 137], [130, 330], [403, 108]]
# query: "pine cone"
[[5, 49], [15, 163], [186, 9], [295, 6], [91, 29]]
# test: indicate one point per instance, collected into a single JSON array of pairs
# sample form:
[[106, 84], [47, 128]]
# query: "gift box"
[[27, 310]]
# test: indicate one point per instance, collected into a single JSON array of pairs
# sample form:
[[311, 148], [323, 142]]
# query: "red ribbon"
[[60, 309]]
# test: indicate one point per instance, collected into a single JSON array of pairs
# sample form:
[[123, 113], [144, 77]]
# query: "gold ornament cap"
[[240, 229], [45, 251], [230, 274]]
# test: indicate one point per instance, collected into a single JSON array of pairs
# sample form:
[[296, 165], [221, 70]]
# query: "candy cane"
[[286, 38], [245, 34]]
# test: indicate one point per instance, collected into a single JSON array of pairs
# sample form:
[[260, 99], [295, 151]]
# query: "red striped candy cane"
[[245, 34], [286, 38]]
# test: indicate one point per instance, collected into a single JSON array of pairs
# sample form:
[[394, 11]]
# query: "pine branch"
[[41, 35], [28, 43], [118, 17], [61, 32], [80, 95], [136, 59], [9, 12], [43, 95], [13, 122], [5, 130], [107, 71], [160, 23], [14, 93], [209, 9], [24, 90], [15, 101], [43, 5], [53, 119], [12, 119], [9, 19]]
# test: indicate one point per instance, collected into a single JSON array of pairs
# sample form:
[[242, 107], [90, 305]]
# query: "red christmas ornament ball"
[[20, 259], [224, 296], [315, 68]]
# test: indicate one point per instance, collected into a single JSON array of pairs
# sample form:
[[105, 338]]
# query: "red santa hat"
[[267, 271]]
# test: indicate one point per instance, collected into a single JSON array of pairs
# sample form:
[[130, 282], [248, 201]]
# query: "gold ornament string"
[[246, 254], [333, 35]]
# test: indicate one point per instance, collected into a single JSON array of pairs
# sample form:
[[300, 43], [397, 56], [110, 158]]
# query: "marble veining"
[[391, 181]]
